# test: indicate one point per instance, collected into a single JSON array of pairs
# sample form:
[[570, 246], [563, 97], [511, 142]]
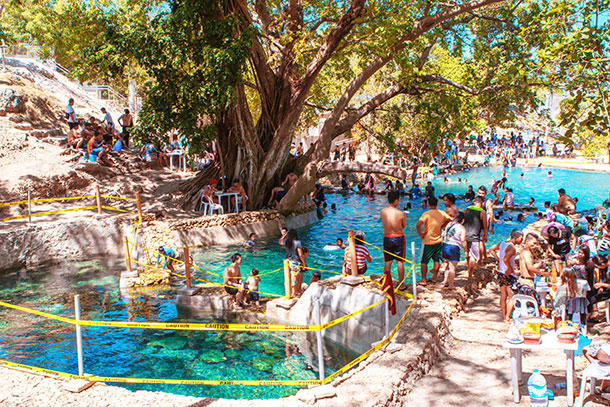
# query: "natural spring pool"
[[143, 353]]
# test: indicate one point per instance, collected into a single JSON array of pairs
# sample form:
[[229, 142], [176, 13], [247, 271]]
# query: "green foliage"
[[194, 57]]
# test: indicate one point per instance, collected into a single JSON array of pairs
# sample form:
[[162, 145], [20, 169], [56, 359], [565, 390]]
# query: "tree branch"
[[332, 167]]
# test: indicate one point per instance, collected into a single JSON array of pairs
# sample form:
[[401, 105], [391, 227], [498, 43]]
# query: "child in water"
[[251, 242], [252, 284]]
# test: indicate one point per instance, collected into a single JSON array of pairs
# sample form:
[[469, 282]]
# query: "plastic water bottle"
[[536, 387]]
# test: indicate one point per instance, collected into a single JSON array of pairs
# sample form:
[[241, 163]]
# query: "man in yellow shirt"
[[429, 228]]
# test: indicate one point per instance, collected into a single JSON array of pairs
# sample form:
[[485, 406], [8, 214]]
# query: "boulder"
[[16, 118], [24, 126], [11, 101]]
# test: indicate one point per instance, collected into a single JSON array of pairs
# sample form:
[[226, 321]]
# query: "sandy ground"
[[579, 163], [475, 368]]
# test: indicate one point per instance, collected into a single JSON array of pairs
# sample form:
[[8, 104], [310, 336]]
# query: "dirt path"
[[475, 368]]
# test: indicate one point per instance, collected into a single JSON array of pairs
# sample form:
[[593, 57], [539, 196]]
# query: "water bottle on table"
[[536, 387]]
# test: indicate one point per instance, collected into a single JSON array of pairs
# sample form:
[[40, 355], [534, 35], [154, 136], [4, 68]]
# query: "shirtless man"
[[126, 122], [529, 268], [450, 208], [394, 222], [565, 204], [277, 193], [234, 286], [238, 189]]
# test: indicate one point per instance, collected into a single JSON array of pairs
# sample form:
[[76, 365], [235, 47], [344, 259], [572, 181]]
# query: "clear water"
[[222, 355], [357, 212]]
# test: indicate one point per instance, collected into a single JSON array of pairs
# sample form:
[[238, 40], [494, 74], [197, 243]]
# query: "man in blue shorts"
[[394, 222]]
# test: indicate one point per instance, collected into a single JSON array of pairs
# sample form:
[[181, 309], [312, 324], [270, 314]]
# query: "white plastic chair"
[[523, 308], [594, 371], [239, 203], [209, 206]]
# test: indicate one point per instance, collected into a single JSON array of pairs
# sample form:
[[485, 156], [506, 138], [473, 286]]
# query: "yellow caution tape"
[[269, 272], [391, 254], [118, 197], [45, 200], [161, 381], [373, 349], [82, 208], [62, 199], [116, 209]]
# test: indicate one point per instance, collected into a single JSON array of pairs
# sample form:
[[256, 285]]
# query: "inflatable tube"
[[331, 247]]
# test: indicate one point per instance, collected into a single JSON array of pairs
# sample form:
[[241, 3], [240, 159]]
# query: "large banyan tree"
[[249, 74]]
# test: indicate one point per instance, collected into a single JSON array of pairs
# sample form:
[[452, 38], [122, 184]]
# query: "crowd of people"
[[98, 138]]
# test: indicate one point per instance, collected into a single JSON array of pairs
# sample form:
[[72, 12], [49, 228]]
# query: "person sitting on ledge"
[[234, 286], [362, 256], [252, 287], [169, 255]]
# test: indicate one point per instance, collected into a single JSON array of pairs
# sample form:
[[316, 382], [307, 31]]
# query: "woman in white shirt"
[[454, 237]]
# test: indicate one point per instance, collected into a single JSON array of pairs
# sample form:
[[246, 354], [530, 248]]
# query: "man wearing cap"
[[169, 256], [209, 191]]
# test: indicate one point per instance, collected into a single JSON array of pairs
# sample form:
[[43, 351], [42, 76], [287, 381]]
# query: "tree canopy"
[[250, 74]]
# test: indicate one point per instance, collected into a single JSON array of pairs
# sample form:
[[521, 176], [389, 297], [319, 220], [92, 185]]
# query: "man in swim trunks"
[[476, 233], [394, 222], [234, 286], [432, 221]]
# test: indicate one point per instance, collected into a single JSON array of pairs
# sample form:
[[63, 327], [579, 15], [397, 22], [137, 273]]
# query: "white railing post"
[[387, 319], [413, 272], [79, 336], [29, 206], [319, 337]]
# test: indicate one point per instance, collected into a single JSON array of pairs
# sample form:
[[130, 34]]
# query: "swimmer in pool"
[[339, 243]]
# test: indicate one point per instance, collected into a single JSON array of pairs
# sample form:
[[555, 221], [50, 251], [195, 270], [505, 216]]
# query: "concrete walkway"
[[475, 369]]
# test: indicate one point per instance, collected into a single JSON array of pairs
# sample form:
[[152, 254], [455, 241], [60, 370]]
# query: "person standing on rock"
[[234, 286], [394, 222], [126, 122], [429, 228], [476, 233], [108, 120], [71, 115]]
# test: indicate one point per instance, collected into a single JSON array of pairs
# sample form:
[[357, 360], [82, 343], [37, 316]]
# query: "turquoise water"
[[221, 355], [358, 212], [36, 341]]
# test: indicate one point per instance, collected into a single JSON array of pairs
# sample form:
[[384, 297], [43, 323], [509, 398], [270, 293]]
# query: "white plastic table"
[[228, 194], [548, 341], [181, 159]]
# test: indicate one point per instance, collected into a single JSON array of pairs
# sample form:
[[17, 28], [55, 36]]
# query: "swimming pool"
[[358, 212], [222, 355]]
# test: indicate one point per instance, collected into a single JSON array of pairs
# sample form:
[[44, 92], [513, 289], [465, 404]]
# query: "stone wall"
[[87, 237], [356, 333], [54, 242]]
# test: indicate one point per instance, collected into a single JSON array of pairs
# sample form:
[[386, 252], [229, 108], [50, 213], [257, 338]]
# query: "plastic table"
[[181, 159], [548, 341], [228, 194]]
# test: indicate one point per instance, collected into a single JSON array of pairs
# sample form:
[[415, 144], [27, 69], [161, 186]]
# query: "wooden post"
[[127, 256], [187, 267], [30, 206], [139, 203], [98, 199], [287, 279], [352, 252]]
